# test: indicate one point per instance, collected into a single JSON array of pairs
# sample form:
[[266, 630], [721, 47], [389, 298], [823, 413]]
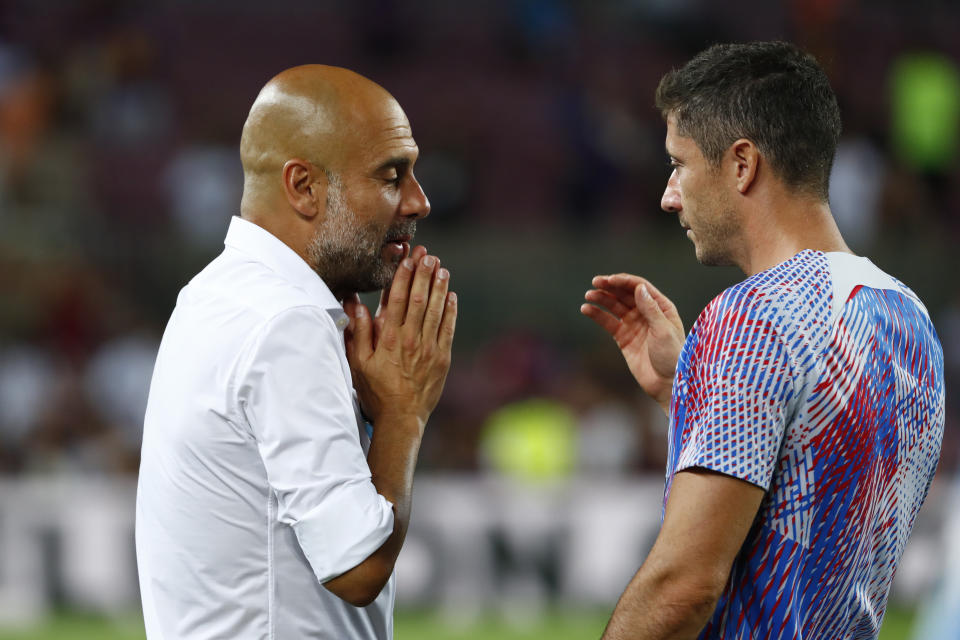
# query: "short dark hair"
[[770, 93]]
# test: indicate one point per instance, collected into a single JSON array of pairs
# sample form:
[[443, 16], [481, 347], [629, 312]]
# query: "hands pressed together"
[[400, 357], [645, 325]]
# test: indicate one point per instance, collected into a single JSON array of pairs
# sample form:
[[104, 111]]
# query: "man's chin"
[[381, 279], [713, 259]]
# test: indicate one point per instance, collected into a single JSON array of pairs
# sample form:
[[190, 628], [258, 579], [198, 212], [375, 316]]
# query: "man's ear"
[[746, 162], [305, 186]]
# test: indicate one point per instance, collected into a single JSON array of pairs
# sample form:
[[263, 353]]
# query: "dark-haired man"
[[806, 404], [264, 508]]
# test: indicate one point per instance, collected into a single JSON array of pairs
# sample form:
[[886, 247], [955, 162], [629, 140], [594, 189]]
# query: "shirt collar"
[[266, 248]]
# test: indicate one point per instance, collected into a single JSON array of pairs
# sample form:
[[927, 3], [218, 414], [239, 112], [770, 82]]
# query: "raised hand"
[[645, 325], [415, 254], [400, 360]]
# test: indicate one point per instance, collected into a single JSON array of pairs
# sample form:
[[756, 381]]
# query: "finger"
[[665, 304], [600, 282], [614, 280], [621, 285], [377, 329], [384, 297], [396, 306], [607, 322], [622, 295], [624, 286], [608, 301], [350, 307], [350, 302], [648, 307], [438, 297], [359, 341], [420, 293], [418, 252], [623, 281], [449, 324]]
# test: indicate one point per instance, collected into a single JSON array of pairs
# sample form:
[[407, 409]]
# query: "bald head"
[[311, 112], [328, 160]]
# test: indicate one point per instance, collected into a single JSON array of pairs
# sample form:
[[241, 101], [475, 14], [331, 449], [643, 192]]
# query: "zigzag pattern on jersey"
[[841, 421], [736, 386]]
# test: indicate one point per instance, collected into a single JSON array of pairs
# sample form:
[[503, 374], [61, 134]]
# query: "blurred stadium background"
[[541, 475]]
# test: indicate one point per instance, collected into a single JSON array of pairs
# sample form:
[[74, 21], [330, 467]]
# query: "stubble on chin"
[[349, 256], [716, 238], [350, 265], [713, 257]]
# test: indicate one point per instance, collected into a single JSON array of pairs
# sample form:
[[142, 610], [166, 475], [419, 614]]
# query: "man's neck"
[[786, 227]]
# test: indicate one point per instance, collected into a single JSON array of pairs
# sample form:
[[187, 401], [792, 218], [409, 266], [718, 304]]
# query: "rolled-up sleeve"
[[293, 393]]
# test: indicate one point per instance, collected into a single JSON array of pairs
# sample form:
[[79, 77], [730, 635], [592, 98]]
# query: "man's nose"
[[415, 202], [670, 202]]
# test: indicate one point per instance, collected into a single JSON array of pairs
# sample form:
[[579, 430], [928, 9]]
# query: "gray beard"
[[349, 257]]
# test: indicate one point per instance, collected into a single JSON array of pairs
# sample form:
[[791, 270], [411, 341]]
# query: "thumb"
[[359, 346], [647, 306]]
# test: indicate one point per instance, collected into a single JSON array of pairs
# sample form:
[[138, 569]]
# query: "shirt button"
[[342, 323]]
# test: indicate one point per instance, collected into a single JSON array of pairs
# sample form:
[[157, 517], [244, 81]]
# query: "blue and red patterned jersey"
[[821, 381]]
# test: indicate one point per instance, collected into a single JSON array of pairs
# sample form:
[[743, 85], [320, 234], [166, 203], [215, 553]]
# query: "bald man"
[[284, 422]]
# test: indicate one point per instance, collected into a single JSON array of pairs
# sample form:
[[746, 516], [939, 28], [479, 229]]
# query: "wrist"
[[664, 400], [404, 421]]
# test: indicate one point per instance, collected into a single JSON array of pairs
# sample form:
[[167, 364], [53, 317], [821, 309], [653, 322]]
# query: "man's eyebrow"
[[396, 162]]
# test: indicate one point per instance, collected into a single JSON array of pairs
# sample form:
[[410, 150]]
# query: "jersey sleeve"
[[294, 395], [736, 386]]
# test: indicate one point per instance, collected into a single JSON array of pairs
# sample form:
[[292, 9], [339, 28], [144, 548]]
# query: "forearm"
[[658, 606], [676, 590], [399, 375], [392, 459]]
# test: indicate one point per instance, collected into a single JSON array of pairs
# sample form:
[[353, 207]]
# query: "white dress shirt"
[[254, 486]]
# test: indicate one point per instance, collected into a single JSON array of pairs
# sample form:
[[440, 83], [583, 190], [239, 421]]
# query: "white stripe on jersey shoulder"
[[849, 271]]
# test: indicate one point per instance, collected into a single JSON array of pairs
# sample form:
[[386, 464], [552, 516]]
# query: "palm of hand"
[[652, 359], [645, 325], [399, 359]]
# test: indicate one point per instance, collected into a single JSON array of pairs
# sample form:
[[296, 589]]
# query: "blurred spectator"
[[529, 448], [131, 108], [204, 183], [26, 377], [609, 430], [117, 382], [132, 132], [531, 441], [856, 186], [608, 438], [71, 437], [939, 617], [925, 117], [25, 109]]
